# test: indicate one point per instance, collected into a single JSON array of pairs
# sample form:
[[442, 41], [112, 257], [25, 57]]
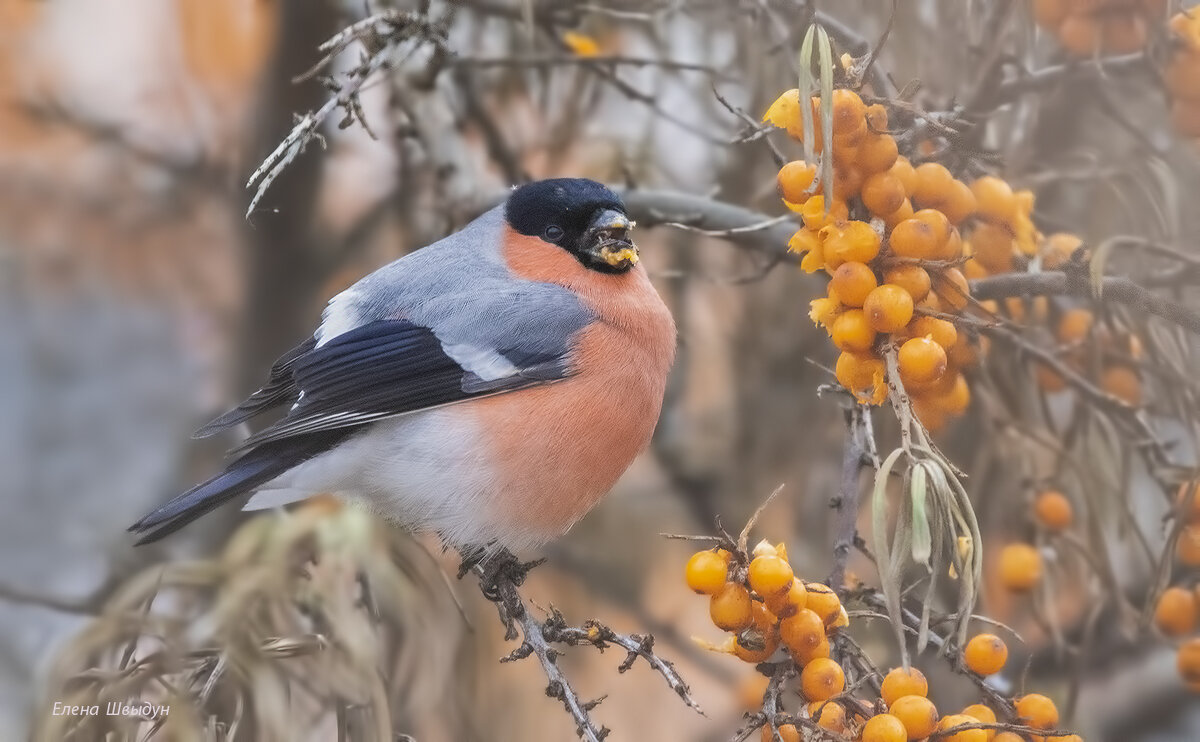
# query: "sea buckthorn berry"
[[794, 180], [1064, 738], [705, 572], [1053, 511], [803, 631], [953, 248], [1175, 613], [789, 602], [863, 375], [853, 281], [953, 721], [829, 716], [731, 608], [851, 332], [877, 153], [787, 732], [912, 278], [822, 679], [882, 193], [985, 654], [1037, 711], [904, 212], [814, 216], [1008, 737], [934, 183], [803, 241], [842, 620], [1048, 379], [994, 199], [847, 181], [752, 652], [905, 173], [940, 225], [823, 601], [823, 311], [1050, 13], [1187, 661], [805, 655], [1074, 326], [884, 728], [877, 118], [921, 362], [992, 246], [1187, 551], [888, 308], [917, 714], [914, 238], [952, 288], [943, 332], [1123, 383], [1080, 34], [751, 689], [1123, 33], [1020, 567], [980, 713], [769, 575], [959, 203], [855, 242], [849, 111], [900, 682], [956, 397], [1188, 501], [1057, 249]]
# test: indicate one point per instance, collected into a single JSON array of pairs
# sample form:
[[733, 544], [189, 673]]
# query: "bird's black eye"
[[553, 233]]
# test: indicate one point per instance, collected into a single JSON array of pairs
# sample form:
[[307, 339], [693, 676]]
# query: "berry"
[[985, 654], [851, 332], [1188, 548], [787, 732], [993, 247], [877, 153], [1175, 613], [877, 118], [853, 281], [888, 308], [731, 608], [705, 572], [884, 728], [769, 575], [1188, 501], [1020, 567], [994, 199], [1049, 13], [823, 601], [933, 184], [814, 215], [952, 288], [1079, 34], [863, 375], [794, 180], [966, 735], [900, 682], [942, 332], [789, 602], [1052, 510], [1037, 711], [1074, 326], [803, 656], [855, 242], [921, 362], [822, 679], [1188, 660], [981, 713], [904, 212], [917, 714], [882, 193], [1123, 383], [1057, 249], [959, 202], [940, 225], [906, 173], [912, 278], [955, 399], [751, 689], [802, 632], [829, 716], [849, 112], [915, 238]]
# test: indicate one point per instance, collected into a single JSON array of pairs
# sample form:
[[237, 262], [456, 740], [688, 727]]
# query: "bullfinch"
[[490, 387]]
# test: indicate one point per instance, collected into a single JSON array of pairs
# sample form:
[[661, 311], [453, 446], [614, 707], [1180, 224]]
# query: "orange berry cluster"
[[1020, 564], [763, 605], [1120, 355], [1177, 613], [768, 610], [1182, 75], [893, 267], [1088, 27]]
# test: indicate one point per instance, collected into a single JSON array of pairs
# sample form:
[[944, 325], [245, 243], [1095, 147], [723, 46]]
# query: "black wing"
[[279, 389]]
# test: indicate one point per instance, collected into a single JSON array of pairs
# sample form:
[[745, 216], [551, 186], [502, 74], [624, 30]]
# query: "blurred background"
[[137, 300]]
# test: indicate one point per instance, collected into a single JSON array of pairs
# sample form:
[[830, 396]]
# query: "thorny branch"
[[382, 32], [500, 576], [856, 450]]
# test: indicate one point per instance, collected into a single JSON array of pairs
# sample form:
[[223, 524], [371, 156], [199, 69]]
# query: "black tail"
[[240, 477]]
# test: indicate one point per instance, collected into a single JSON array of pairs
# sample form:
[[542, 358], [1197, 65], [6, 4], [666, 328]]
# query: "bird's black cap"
[[564, 211]]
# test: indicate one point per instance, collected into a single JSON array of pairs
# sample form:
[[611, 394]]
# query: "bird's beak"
[[607, 239]]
